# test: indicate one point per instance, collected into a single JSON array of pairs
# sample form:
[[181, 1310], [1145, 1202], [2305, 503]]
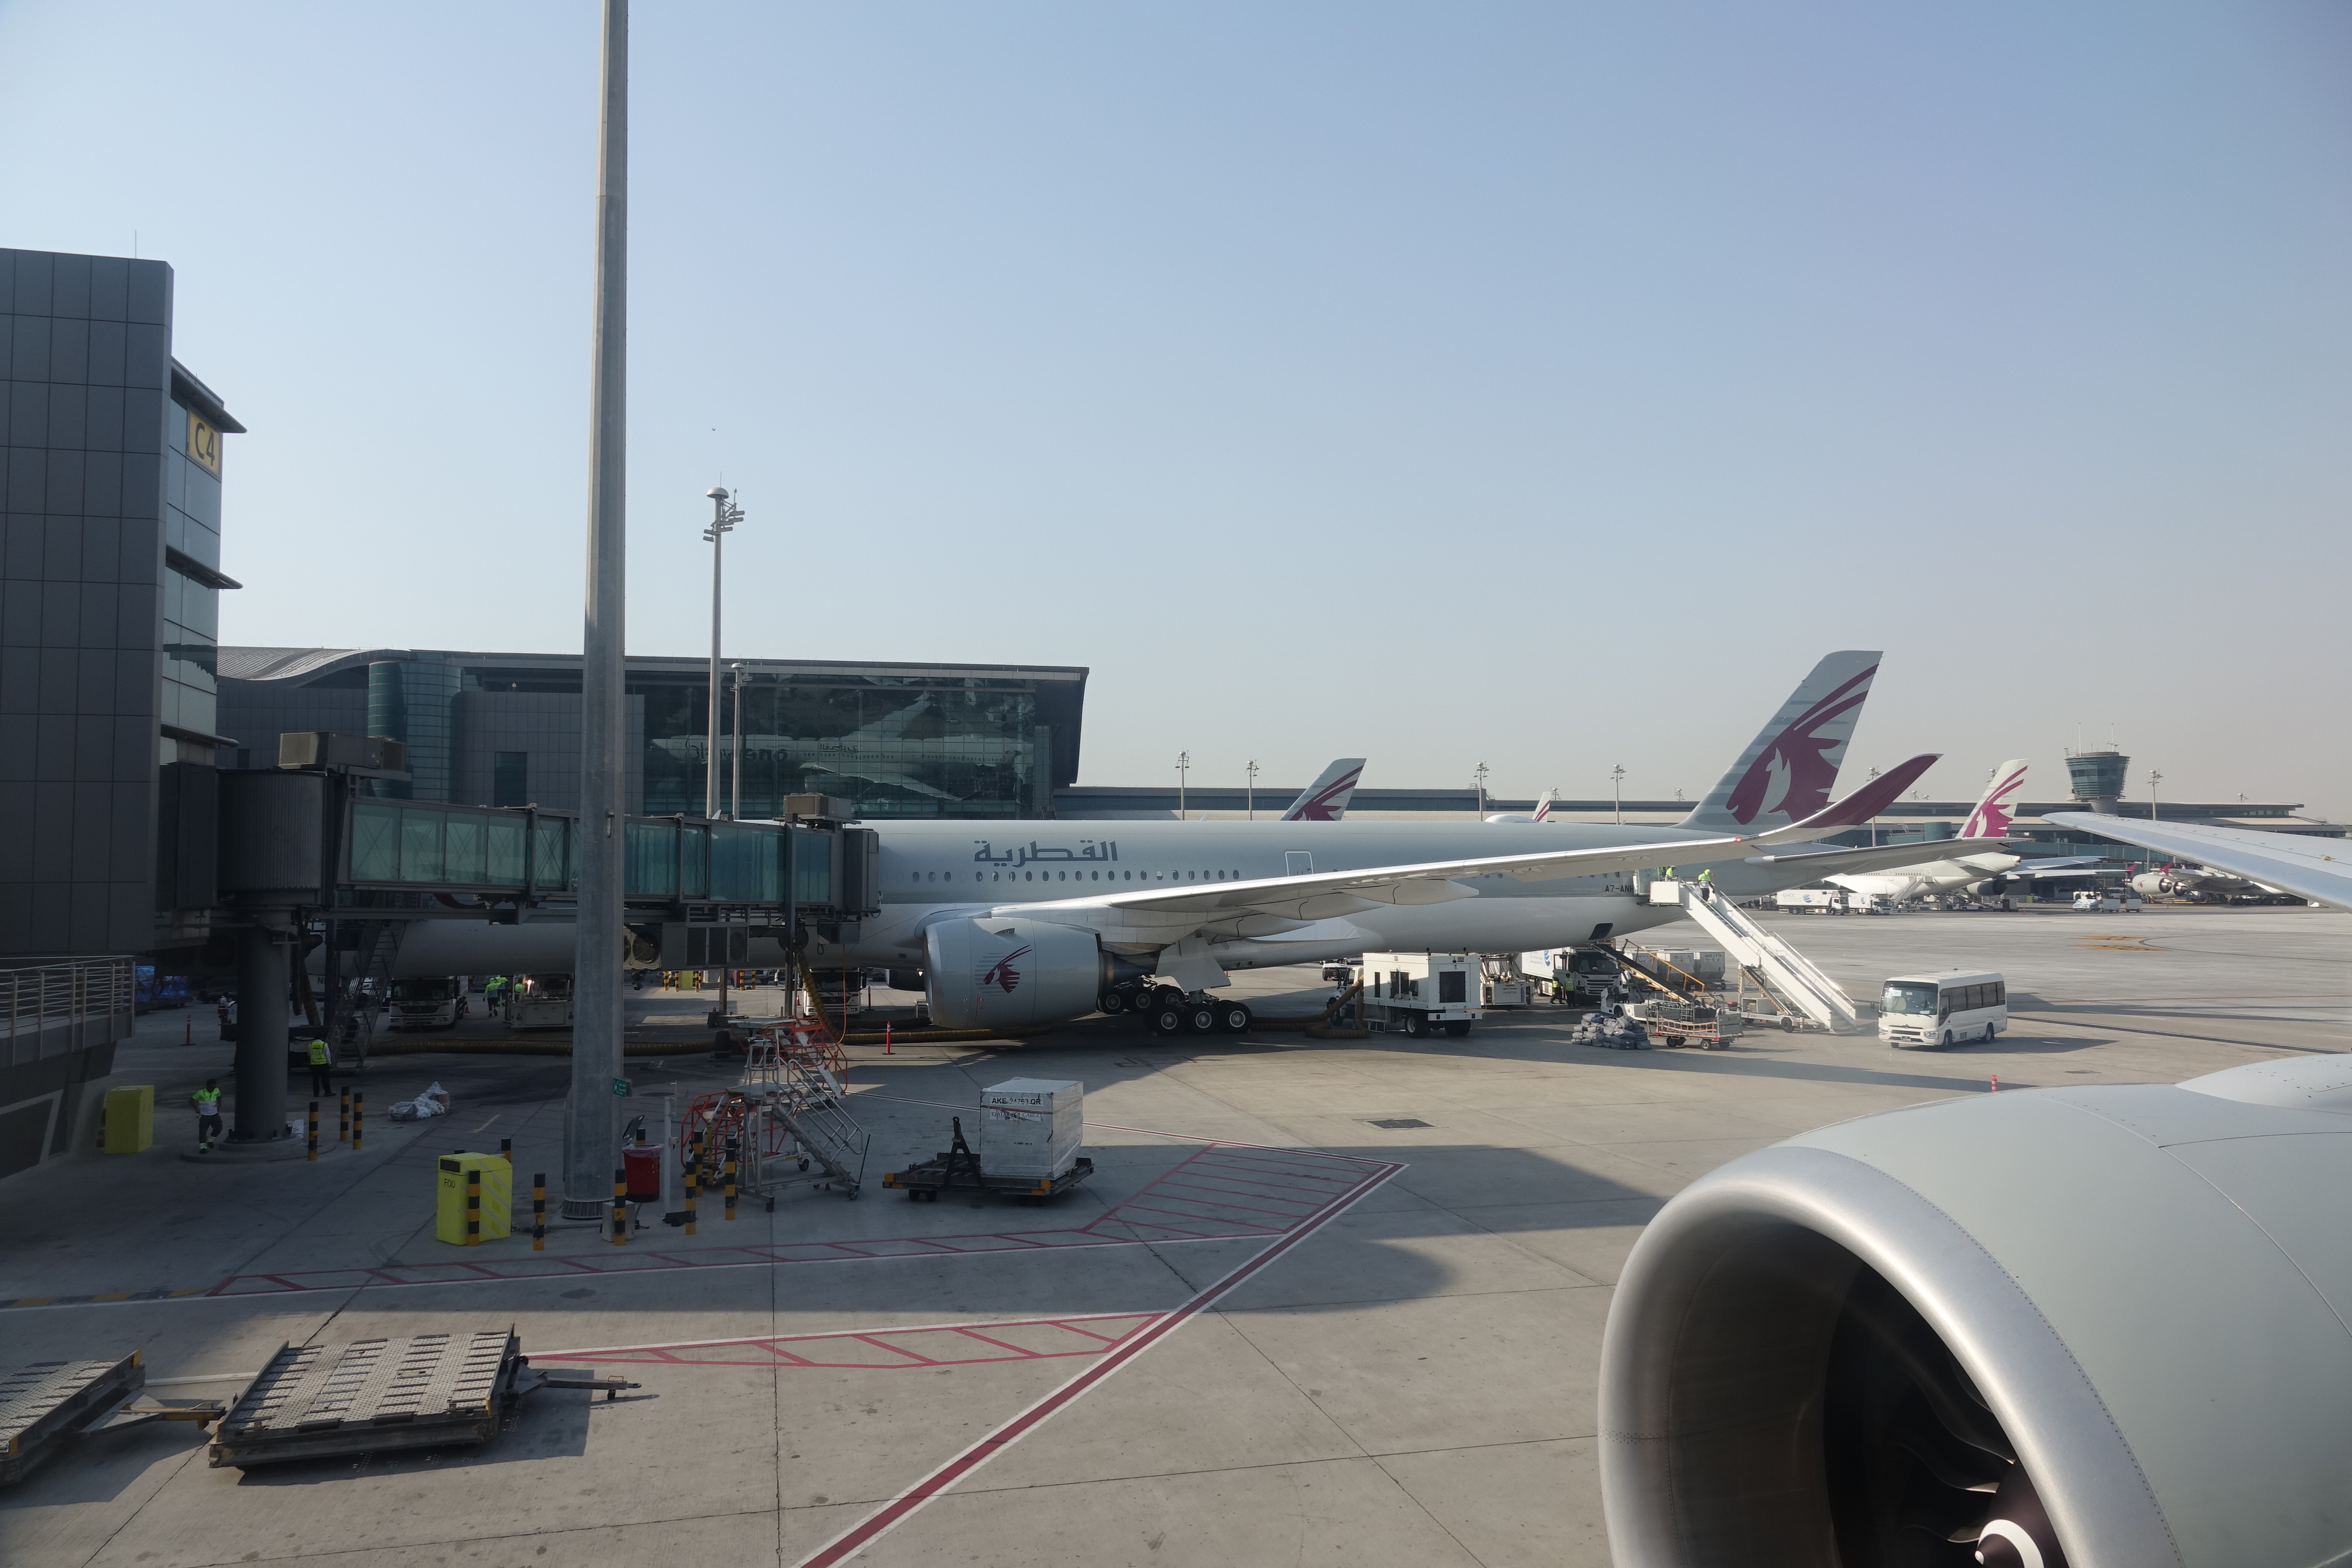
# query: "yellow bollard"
[[343, 1122], [473, 1206], [621, 1208], [731, 1178], [359, 1117], [539, 1212], [692, 1173], [314, 1129]]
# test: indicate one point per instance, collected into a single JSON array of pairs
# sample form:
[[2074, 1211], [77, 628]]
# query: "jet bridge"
[[1786, 974], [304, 852]]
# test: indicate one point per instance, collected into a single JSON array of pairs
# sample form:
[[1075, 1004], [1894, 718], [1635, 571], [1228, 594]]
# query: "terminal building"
[[111, 463]]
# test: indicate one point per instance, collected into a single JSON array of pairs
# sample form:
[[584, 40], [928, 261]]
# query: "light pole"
[[724, 515], [1873, 821], [1617, 789], [592, 1115], [735, 752], [1482, 789], [1183, 764], [2154, 778], [1249, 791]]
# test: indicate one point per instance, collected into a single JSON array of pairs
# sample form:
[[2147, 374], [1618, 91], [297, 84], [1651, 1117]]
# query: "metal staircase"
[[1786, 974], [793, 1084]]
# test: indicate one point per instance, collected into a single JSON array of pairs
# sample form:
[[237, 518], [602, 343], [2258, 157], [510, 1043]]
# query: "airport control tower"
[[2098, 777]]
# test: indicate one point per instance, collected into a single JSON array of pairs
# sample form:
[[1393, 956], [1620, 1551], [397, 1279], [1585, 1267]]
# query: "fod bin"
[[449, 1198], [642, 1163]]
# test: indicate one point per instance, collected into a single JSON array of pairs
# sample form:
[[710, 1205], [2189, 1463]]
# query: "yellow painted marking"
[[117, 1296]]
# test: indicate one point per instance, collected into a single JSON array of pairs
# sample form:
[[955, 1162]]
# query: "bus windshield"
[[427, 988], [1908, 996]]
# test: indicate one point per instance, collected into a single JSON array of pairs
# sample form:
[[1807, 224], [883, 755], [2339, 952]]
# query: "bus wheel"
[[1948, 1039]]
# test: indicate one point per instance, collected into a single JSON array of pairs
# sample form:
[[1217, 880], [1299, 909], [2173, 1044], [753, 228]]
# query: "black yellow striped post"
[[731, 1148], [473, 1206], [539, 1212], [693, 1174], [359, 1117], [621, 1207], [343, 1122], [314, 1129]]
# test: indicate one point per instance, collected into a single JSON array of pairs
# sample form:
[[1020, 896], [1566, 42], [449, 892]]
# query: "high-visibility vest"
[[320, 1055], [207, 1102]]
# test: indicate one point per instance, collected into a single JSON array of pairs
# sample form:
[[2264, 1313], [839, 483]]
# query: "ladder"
[[795, 1074], [1786, 973]]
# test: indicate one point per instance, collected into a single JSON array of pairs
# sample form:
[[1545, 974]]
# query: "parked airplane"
[[2196, 883], [1950, 873], [1542, 811], [1192, 901], [2301, 864], [1325, 800]]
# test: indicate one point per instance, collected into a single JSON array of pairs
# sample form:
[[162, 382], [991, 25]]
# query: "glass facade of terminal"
[[898, 742], [899, 746], [192, 522]]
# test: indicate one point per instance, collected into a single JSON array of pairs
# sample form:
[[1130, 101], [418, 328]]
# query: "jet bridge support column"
[[264, 972]]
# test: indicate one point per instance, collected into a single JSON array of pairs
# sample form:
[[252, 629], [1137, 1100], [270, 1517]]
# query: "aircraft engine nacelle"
[[2148, 884], [2099, 1327], [1012, 973]]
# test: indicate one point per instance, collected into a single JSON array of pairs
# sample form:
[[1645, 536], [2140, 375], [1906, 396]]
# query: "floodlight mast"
[[724, 515], [592, 1118]]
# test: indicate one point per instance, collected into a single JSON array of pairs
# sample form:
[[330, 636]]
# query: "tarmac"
[[1324, 1300]]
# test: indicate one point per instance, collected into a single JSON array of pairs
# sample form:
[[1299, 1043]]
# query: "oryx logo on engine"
[[1001, 974]]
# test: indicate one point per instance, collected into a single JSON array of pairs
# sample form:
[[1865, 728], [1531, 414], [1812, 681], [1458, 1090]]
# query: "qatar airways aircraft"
[[1064, 920], [1948, 871]]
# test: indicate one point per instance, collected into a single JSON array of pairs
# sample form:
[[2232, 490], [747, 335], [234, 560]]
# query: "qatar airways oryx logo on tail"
[[1319, 807], [1993, 814], [1001, 974], [1794, 772]]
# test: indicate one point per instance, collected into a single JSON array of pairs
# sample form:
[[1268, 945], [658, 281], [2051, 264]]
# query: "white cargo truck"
[[1816, 901], [1032, 1128], [1419, 991]]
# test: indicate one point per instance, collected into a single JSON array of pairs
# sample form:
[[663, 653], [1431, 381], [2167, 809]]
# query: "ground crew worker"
[[208, 1117], [322, 1065]]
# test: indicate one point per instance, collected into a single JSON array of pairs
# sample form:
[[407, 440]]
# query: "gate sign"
[[620, 1089]]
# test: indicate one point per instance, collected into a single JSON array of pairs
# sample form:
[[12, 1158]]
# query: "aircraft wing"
[[2311, 867], [1321, 895], [2056, 867]]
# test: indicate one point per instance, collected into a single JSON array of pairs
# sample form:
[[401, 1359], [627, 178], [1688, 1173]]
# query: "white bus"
[[1943, 1009]]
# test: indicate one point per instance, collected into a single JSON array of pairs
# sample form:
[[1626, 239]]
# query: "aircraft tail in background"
[[1325, 800], [1787, 772], [1991, 819]]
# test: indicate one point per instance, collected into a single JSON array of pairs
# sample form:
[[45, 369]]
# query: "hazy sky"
[[1542, 384]]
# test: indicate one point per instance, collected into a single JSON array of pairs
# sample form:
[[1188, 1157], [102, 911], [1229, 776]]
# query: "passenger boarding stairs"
[[1786, 974]]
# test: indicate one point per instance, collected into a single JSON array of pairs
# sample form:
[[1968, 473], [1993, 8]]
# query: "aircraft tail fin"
[[1789, 769], [1543, 806], [1991, 817], [1325, 800]]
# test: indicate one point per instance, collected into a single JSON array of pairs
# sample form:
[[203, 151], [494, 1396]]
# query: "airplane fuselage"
[[934, 869]]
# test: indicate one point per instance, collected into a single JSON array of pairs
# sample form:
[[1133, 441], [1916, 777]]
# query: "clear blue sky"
[[1543, 384]]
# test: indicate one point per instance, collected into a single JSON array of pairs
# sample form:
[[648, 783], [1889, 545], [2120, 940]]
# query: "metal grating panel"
[[28, 1394], [374, 1381]]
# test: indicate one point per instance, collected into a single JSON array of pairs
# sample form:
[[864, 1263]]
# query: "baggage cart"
[[47, 1406], [957, 1169]]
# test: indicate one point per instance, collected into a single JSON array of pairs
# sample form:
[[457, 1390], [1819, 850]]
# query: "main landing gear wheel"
[[1167, 1018], [1233, 1018], [1113, 1002], [1200, 1018]]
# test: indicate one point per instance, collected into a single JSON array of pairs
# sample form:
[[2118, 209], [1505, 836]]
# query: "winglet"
[[1860, 806]]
